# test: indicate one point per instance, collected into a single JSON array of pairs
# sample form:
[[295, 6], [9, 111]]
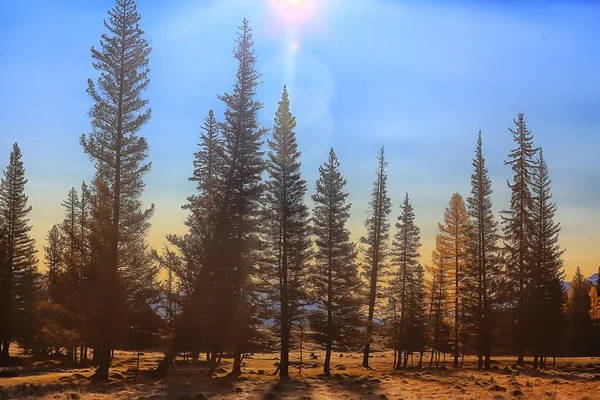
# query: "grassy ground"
[[570, 380]]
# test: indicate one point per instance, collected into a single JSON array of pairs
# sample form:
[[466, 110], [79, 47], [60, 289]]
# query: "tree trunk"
[[5, 353], [366, 351], [166, 364], [103, 358], [372, 296], [237, 364], [212, 364], [455, 314]]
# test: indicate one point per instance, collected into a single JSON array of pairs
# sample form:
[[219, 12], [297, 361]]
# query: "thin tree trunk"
[[455, 307], [301, 343]]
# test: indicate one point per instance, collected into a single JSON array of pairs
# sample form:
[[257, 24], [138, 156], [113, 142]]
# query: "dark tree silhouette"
[[439, 289], [119, 155], [485, 272], [287, 230], [375, 250], [518, 227], [580, 330], [224, 288], [20, 278], [405, 252], [546, 274], [335, 277]]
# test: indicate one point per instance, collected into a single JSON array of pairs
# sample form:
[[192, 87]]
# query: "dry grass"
[[571, 380]]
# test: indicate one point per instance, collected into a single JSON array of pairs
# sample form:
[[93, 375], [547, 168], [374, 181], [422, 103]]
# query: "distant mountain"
[[592, 279]]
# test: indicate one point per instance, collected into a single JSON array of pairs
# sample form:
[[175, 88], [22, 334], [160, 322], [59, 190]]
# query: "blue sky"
[[419, 77]]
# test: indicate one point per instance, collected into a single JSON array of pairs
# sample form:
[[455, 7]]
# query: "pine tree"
[[224, 290], [454, 239], [287, 235], [119, 154], [55, 257], [335, 277], [375, 251], [440, 305], [485, 273], [546, 272], [21, 278], [580, 331], [66, 259], [405, 252], [416, 310], [518, 226]]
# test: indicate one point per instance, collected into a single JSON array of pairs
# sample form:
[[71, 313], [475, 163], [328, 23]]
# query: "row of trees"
[[256, 261]]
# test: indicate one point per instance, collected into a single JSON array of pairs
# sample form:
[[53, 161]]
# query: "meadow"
[[572, 378]]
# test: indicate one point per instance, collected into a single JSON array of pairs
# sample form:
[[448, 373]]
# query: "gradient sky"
[[419, 77]]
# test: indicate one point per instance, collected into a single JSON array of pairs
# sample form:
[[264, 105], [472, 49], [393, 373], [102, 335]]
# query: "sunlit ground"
[[574, 378]]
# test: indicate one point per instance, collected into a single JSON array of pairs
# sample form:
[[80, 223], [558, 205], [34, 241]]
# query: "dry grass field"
[[575, 378]]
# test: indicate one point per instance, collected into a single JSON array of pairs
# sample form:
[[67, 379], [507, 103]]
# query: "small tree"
[[580, 329]]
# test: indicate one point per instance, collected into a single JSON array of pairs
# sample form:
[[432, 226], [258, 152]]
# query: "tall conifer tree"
[[405, 252], [546, 295], [454, 239], [119, 155], [375, 251], [287, 236], [20, 277], [224, 289], [335, 277], [518, 227], [485, 272]]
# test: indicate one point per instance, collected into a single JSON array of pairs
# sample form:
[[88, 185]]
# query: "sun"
[[293, 11]]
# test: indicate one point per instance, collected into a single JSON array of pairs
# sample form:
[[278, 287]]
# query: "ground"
[[573, 379]]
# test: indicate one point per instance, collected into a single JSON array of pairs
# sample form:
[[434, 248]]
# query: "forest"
[[267, 264]]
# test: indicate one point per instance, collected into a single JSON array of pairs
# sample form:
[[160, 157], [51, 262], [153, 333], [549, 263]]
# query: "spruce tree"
[[239, 217], [21, 282], [416, 309], [441, 282], [405, 252], [335, 277], [375, 250], [546, 273], [580, 330], [454, 239], [119, 155], [518, 226], [224, 289], [485, 271], [287, 236]]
